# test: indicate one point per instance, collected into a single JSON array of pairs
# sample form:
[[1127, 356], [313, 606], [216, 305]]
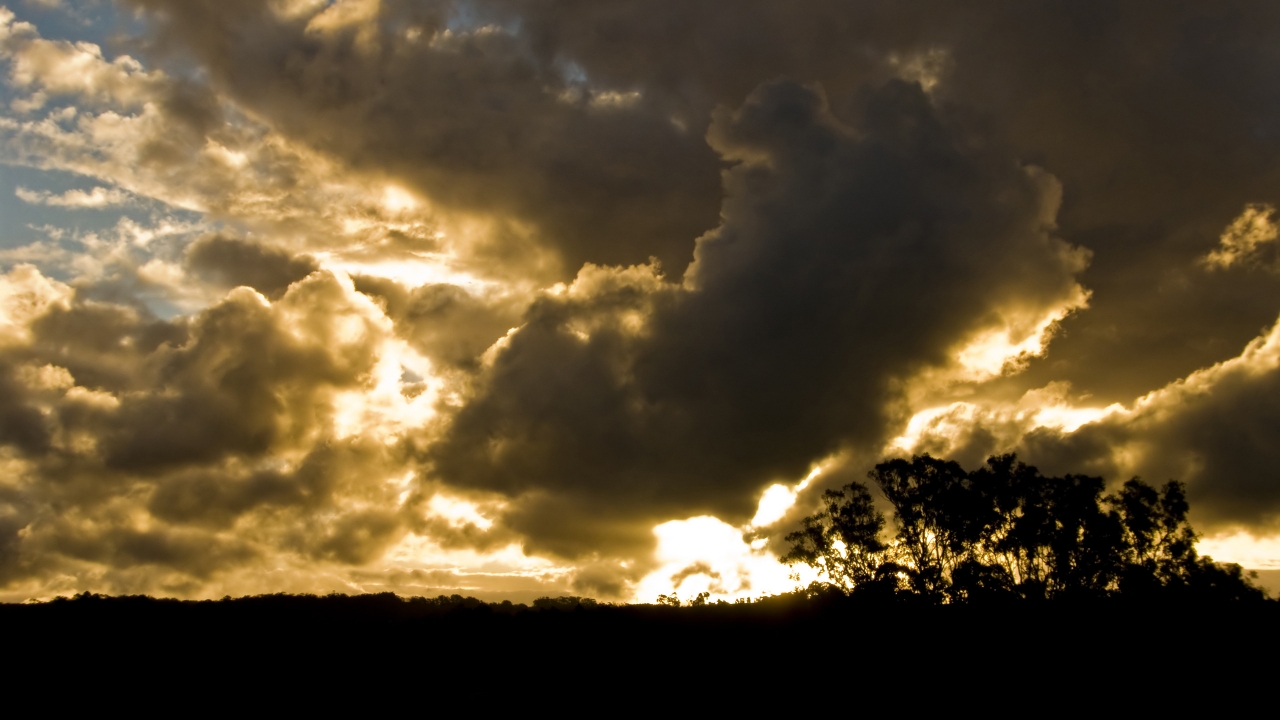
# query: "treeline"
[[387, 644], [1005, 532], [305, 606]]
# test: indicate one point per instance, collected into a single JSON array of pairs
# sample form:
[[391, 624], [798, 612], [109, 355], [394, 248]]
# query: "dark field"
[[1070, 650]]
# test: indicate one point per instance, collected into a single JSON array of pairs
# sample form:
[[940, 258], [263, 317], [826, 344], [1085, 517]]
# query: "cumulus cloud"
[[446, 322], [1209, 430], [25, 295], [59, 68], [849, 259], [189, 449], [234, 262]]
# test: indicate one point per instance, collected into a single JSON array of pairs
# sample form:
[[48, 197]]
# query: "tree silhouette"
[[1005, 531], [842, 541]]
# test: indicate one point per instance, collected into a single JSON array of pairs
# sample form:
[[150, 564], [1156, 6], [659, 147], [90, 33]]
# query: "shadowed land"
[[1071, 649]]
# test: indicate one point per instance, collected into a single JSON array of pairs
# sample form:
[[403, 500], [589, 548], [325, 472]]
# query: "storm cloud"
[[849, 259]]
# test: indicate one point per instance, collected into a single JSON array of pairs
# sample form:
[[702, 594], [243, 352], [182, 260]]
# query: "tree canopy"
[[1005, 531]]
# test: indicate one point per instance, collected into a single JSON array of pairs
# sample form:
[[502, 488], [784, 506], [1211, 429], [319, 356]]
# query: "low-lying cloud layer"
[[517, 297]]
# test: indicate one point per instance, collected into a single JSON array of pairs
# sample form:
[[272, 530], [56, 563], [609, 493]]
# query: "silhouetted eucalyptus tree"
[[935, 515], [1004, 531], [1160, 542], [843, 541]]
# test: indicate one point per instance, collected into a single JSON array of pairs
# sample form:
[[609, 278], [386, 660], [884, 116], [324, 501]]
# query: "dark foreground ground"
[[440, 632], [841, 653]]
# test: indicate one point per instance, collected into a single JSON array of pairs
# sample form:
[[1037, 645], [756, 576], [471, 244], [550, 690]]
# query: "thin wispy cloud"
[[99, 197]]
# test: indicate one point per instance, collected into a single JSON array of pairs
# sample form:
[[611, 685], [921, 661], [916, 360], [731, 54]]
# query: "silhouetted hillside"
[[885, 647], [371, 617]]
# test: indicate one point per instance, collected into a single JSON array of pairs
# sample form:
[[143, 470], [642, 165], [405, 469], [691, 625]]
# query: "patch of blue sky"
[[572, 73], [40, 223], [100, 22], [20, 221], [104, 23], [24, 223], [93, 21]]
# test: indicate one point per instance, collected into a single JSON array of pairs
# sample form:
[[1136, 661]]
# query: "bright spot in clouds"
[[413, 271], [1244, 237], [778, 499], [458, 512], [1004, 349], [706, 554], [1261, 553], [398, 200], [1069, 419]]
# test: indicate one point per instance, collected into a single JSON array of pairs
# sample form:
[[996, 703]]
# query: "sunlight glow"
[[397, 200], [25, 294], [1256, 553], [775, 503], [932, 421], [1070, 419], [390, 405], [458, 512], [943, 427], [1025, 334], [415, 271], [992, 353], [778, 499], [189, 324], [706, 554], [465, 569], [232, 158]]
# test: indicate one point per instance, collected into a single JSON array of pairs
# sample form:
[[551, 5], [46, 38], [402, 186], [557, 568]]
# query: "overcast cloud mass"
[[518, 298]]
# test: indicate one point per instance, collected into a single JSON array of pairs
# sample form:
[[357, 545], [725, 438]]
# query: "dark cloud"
[[191, 551], [474, 119], [22, 426], [217, 499], [359, 537], [1159, 119], [232, 262], [446, 323], [251, 377], [849, 259], [102, 345]]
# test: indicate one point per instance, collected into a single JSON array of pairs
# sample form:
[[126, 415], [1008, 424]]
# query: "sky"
[[514, 298]]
